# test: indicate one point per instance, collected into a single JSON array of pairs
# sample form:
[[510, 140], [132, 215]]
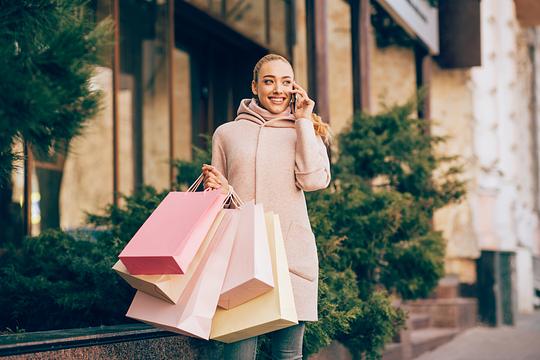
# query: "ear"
[[253, 87]]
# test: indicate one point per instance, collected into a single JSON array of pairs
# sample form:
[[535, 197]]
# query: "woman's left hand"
[[304, 105]]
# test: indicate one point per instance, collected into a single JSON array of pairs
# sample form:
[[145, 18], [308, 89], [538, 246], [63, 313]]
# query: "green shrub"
[[387, 194], [74, 285], [48, 53], [378, 321], [60, 280], [338, 302]]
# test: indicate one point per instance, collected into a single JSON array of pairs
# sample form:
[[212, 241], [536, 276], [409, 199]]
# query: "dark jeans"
[[286, 345]]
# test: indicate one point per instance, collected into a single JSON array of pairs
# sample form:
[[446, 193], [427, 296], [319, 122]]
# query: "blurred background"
[[169, 71]]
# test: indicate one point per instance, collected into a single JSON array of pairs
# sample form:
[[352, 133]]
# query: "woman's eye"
[[287, 83], [267, 82]]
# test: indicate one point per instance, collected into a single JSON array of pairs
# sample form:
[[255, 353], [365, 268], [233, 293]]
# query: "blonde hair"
[[321, 128]]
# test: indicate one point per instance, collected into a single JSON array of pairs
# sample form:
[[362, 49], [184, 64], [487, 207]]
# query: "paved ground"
[[521, 342]]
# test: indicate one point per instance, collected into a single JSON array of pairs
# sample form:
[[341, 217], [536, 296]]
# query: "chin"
[[275, 109]]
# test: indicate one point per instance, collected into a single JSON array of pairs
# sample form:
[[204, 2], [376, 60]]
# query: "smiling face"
[[273, 85]]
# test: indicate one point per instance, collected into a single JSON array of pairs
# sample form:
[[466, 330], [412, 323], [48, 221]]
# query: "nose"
[[278, 88]]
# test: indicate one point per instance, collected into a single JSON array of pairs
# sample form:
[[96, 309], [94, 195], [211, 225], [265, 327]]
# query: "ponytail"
[[321, 128]]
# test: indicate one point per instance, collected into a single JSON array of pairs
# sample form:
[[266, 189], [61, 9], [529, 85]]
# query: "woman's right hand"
[[214, 179]]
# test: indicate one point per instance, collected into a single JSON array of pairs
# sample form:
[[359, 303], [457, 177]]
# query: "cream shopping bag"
[[271, 311]]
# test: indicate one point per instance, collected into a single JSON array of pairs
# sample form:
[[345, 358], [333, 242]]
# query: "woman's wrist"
[[302, 116]]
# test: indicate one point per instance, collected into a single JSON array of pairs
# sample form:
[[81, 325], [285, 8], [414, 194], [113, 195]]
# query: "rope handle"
[[232, 195], [196, 184]]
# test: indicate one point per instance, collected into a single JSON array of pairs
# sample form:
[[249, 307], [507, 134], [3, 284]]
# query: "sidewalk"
[[521, 342]]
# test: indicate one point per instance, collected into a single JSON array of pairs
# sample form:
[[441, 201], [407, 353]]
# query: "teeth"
[[276, 100]]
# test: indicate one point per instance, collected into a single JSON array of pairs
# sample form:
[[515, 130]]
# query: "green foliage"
[[338, 302], [47, 52], [378, 322], [60, 280], [395, 147], [414, 265], [386, 193]]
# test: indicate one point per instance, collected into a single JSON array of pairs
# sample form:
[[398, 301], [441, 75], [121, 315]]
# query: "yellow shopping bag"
[[168, 287], [271, 311]]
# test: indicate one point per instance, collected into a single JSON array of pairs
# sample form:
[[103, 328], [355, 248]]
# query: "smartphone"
[[293, 103]]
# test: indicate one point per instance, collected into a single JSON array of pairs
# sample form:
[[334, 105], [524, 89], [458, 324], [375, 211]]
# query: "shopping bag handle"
[[196, 184], [234, 198], [231, 194]]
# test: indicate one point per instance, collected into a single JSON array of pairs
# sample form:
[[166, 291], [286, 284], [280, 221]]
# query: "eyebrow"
[[272, 76]]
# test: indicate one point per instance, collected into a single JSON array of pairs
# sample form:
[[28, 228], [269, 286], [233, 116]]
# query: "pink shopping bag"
[[193, 313], [169, 239], [250, 269], [169, 287]]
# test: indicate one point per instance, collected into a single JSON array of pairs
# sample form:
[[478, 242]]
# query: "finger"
[[207, 167], [216, 172], [207, 184], [299, 92], [213, 178], [302, 99], [301, 89]]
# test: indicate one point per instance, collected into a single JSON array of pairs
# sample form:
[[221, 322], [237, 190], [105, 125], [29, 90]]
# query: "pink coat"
[[273, 159]]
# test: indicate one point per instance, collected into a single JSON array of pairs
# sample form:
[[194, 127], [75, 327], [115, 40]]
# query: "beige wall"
[[300, 48], [126, 163], [339, 64], [393, 76], [182, 101], [87, 184], [156, 157], [452, 117], [278, 26]]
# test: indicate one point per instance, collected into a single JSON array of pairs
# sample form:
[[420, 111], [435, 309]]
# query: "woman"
[[272, 155]]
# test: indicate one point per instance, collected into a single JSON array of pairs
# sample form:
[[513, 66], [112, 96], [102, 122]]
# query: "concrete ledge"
[[131, 341]]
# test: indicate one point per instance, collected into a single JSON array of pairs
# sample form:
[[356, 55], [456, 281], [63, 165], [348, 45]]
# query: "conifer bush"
[[48, 53], [387, 193]]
